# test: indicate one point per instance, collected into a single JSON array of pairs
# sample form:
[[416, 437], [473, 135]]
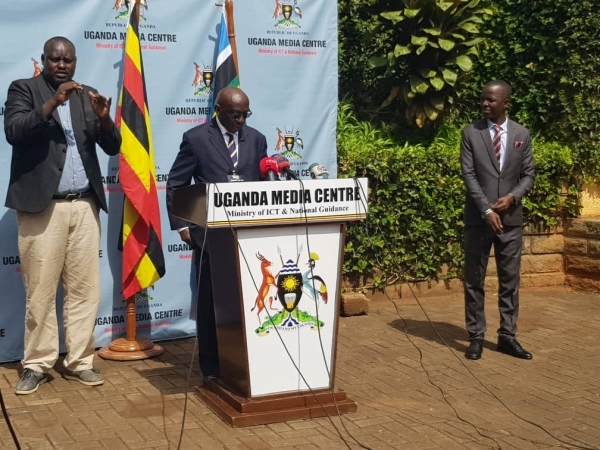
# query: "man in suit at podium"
[[221, 150]]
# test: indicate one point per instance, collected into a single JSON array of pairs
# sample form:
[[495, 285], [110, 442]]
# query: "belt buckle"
[[73, 195]]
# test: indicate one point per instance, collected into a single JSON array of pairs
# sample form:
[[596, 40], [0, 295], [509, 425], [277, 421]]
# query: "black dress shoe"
[[512, 348], [474, 350]]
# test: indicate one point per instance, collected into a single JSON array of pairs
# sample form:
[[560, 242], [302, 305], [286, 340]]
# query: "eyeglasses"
[[237, 115]]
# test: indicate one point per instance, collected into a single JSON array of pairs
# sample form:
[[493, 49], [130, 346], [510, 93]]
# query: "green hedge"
[[414, 228]]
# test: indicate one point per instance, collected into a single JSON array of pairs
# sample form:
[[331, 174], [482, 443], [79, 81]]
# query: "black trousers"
[[507, 251], [206, 330]]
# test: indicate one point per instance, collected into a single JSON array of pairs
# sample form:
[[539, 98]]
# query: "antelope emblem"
[[36, 68], [198, 77], [277, 12], [268, 283]]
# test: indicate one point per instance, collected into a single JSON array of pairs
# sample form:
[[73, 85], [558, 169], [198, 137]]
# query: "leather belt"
[[72, 195]]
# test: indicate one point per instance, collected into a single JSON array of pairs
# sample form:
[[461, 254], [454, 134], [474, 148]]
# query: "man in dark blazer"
[[498, 171], [53, 124], [212, 153]]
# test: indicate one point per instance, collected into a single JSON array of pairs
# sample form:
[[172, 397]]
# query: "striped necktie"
[[233, 151], [498, 142]]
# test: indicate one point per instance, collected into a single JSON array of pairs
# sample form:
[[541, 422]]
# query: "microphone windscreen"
[[318, 171], [267, 164], [281, 161]]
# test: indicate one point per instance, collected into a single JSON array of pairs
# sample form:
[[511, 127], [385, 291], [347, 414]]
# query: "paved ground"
[[413, 392]]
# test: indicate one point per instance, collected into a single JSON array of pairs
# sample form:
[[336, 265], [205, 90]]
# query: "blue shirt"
[[73, 177]]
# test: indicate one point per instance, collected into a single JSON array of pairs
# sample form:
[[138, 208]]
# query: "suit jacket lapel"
[[77, 120], [487, 140], [46, 94], [216, 139]]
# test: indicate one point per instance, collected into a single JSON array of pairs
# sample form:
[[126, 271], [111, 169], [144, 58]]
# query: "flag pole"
[[231, 33], [131, 347]]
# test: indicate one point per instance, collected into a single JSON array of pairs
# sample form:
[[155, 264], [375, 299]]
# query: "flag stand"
[[131, 347]]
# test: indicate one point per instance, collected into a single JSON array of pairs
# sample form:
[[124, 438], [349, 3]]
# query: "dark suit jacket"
[[204, 157], [483, 179], [40, 146]]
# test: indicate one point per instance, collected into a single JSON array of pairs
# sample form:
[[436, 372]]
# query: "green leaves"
[[464, 62], [432, 46]]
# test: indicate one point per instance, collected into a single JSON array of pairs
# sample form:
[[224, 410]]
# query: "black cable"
[[363, 196], [405, 279], [7, 419], [319, 328], [285, 346], [189, 375]]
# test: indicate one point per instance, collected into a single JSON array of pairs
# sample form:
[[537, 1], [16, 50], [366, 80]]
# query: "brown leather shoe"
[[475, 349], [513, 348]]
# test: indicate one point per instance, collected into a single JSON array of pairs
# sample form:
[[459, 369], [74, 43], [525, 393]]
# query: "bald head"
[[52, 42], [232, 107], [231, 95]]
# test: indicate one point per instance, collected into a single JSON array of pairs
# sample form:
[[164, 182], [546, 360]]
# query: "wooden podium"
[[276, 250]]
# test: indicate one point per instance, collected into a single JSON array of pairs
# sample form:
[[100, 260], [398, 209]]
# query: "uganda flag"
[[225, 71], [143, 259]]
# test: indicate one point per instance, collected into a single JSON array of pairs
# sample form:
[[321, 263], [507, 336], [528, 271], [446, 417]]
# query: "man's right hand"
[[186, 237], [65, 90], [62, 94], [494, 221]]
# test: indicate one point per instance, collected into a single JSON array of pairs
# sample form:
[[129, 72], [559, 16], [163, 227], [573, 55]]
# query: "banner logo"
[[37, 69], [286, 141], [203, 80], [287, 12], [122, 9], [288, 286]]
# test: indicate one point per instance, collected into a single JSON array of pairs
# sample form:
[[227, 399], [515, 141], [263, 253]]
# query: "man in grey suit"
[[211, 153], [498, 171], [53, 124]]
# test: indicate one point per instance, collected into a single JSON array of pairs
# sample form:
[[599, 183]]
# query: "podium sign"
[[263, 203]]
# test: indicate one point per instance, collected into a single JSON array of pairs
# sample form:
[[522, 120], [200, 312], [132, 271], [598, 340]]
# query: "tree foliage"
[[550, 53]]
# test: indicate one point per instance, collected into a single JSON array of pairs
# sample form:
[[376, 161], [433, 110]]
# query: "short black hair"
[[501, 84]]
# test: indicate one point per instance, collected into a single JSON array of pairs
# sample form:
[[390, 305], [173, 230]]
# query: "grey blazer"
[[484, 180]]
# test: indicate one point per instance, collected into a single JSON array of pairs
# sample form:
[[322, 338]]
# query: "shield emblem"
[[289, 285], [287, 11], [207, 77], [289, 142]]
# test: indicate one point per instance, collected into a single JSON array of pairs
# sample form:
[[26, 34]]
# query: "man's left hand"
[[100, 105], [503, 203]]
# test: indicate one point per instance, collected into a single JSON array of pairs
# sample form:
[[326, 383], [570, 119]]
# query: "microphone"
[[284, 165], [318, 171], [268, 168]]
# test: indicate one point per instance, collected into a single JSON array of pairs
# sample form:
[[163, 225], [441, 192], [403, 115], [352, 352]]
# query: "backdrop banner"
[[287, 52]]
